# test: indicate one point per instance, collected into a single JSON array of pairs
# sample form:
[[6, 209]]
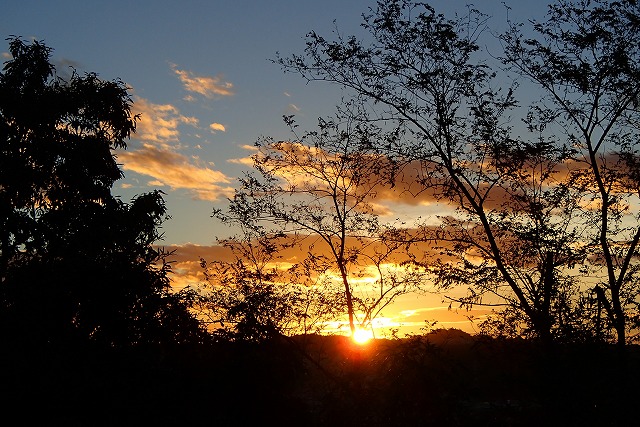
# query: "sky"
[[201, 77]]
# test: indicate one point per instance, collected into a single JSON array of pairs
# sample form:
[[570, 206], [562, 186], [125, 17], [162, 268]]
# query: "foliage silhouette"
[[523, 234], [251, 299], [445, 377], [76, 263], [312, 197], [585, 58]]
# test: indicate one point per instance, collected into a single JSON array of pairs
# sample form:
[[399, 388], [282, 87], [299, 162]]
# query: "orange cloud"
[[159, 122], [442, 314], [175, 171], [247, 160], [217, 127], [294, 161], [409, 312], [193, 252], [158, 129], [186, 269], [207, 86], [414, 187]]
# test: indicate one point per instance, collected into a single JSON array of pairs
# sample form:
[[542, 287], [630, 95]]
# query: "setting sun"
[[362, 336]]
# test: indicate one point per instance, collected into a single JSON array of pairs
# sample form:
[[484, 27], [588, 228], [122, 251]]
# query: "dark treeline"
[[544, 225], [442, 379]]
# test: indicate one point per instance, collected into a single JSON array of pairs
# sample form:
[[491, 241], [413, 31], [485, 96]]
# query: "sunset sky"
[[201, 78]]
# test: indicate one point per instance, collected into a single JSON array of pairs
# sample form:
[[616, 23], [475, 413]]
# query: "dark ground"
[[443, 379]]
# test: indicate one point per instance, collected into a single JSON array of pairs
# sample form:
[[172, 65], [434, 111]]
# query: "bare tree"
[[317, 191], [585, 58], [424, 73]]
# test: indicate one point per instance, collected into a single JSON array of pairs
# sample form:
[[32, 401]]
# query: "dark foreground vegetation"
[[445, 378]]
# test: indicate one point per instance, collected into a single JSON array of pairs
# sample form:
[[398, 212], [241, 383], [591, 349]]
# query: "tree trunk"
[[619, 322], [347, 292]]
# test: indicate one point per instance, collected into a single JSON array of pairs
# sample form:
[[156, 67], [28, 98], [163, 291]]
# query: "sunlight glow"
[[362, 336]]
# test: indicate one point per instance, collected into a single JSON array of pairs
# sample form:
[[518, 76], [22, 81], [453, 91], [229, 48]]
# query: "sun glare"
[[362, 336]]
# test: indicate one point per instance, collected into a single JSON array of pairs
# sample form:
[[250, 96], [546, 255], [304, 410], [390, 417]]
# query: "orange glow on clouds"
[[208, 86], [215, 127], [409, 314], [159, 123], [177, 171]]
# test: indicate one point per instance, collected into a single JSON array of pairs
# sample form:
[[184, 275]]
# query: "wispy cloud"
[[158, 156], [405, 192], [208, 86], [247, 160], [176, 171], [187, 271]]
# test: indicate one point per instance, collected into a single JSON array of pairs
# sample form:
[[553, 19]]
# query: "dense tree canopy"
[[76, 263]]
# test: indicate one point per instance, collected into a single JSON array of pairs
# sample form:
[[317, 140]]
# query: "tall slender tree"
[[585, 59]]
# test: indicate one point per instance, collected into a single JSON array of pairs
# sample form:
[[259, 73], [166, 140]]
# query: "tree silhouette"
[[585, 58], [518, 231], [254, 298], [315, 193], [76, 263]]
